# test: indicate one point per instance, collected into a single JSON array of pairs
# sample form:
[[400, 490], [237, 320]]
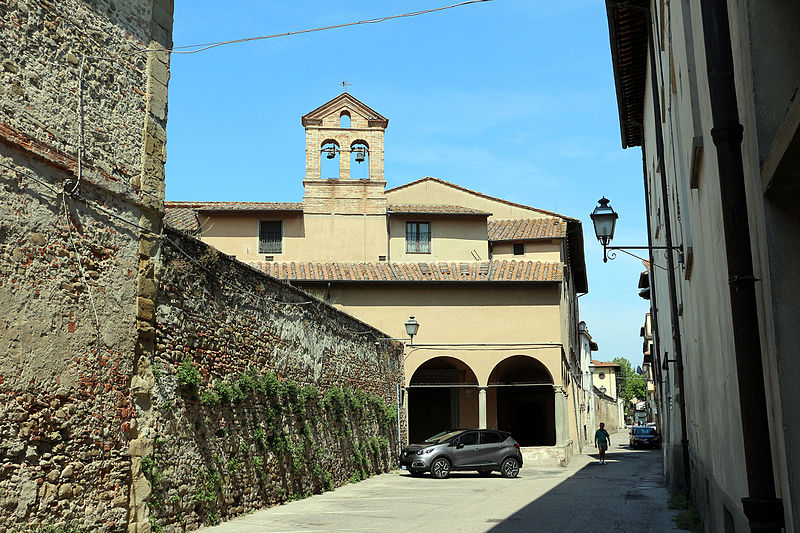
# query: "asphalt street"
[[624, 495]]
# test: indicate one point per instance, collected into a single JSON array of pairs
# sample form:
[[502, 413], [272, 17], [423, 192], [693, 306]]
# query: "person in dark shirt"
[[602, 440]]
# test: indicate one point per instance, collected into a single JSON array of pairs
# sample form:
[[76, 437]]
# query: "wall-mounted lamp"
[[412, 326], [604, 219]]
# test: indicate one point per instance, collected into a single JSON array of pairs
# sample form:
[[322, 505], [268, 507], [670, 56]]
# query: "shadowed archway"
[[525, 400], [441, 396]]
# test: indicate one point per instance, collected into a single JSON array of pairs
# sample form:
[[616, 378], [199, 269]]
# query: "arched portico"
[[522, 394], [441, 396]]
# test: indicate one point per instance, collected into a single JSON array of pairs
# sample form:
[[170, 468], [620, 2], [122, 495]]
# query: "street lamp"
[[412, 326], [604, 219]]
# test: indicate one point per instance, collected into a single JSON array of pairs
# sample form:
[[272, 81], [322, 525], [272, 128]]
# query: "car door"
[[491, 449], [465, 449]]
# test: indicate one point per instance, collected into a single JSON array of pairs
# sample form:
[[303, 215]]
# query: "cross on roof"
[[346, 85]]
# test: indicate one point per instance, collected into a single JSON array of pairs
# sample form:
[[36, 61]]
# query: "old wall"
[[74, 79], [262, 421], [607, 412], [63, 379]]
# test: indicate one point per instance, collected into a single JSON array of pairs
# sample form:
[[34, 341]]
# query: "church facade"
[[492, 283]]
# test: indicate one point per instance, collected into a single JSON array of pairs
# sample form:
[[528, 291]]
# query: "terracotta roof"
[[627, 29], [526, 271], [182, 218], [236, 206], [601, 363], [520, 229], [425, 209], [476, 193]]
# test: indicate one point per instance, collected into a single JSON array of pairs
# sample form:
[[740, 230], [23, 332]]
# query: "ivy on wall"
[[254, 440]]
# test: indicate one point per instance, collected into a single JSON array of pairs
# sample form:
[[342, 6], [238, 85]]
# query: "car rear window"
[[490, 437], [644, 431]]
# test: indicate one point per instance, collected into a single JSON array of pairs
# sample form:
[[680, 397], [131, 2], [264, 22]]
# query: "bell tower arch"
[[348, 131]]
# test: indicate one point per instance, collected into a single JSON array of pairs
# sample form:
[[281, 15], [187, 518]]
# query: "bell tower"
[[344, 159], [348, 131]]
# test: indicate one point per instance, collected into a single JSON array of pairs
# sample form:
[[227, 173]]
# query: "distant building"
[[604, 377], [586, 397], [492, 283]]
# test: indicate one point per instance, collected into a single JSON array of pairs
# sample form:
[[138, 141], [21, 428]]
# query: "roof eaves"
[[628, 24]]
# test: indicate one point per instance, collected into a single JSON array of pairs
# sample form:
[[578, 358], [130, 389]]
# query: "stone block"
[[146, 309], [141, 447]]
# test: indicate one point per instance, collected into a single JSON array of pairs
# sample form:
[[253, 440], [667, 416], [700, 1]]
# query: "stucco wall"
[[763, 43], [438, 193], [450, 314], [453, 239], [65, 395]]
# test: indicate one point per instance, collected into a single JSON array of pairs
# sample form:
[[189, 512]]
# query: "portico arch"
[[442, 395], [524, 399]]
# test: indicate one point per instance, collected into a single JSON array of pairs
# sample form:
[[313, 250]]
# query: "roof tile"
[[521, 229], [522, 271]]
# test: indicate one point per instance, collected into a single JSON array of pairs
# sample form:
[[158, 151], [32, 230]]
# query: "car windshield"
[[442, 436], [644, 431]]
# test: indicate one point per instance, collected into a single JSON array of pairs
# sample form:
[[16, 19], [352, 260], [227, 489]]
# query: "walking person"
[[602, 440]]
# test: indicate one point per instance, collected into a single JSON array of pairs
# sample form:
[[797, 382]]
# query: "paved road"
[[624, 495]]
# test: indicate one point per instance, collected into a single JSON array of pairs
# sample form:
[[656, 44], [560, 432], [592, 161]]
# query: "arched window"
[[329, 160], [359, 160], [344, 120]]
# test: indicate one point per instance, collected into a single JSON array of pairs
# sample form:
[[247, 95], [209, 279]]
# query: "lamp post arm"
[[679, 247]]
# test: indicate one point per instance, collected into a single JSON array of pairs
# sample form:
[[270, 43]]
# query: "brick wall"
[[213, 460]]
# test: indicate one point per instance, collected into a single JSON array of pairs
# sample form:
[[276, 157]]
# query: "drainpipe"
[[762, 508], [673, 293]]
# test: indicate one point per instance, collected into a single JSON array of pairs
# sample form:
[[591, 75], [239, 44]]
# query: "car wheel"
[[484, 473], [440, 468], [510, 467]]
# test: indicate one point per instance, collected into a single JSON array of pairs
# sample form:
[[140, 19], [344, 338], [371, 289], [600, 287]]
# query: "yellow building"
[[492, 283]]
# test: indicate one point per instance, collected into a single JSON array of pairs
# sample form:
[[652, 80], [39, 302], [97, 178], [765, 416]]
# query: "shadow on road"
[[624, 495]]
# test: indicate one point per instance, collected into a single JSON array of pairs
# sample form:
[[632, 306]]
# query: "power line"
[[207, 46]]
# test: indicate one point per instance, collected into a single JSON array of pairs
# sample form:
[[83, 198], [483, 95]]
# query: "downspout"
[[673, 293], [762, 508]]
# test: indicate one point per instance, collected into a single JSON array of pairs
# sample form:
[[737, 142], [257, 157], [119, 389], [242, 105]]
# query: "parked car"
[[482, 450], [645, 437]]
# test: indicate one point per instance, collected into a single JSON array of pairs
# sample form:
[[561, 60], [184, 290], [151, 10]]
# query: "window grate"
[[270, 237]]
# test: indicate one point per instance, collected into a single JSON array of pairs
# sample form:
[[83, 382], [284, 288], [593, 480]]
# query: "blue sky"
[[512, 98]]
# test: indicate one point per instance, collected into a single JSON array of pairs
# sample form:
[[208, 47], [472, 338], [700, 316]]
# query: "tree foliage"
[[629, 384]]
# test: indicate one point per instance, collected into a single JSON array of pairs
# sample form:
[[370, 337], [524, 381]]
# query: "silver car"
[[483, 450]]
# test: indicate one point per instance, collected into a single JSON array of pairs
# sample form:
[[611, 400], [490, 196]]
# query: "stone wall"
[[64, 399], [44, 46], [260, 392], [71, 265], [607, 412]]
